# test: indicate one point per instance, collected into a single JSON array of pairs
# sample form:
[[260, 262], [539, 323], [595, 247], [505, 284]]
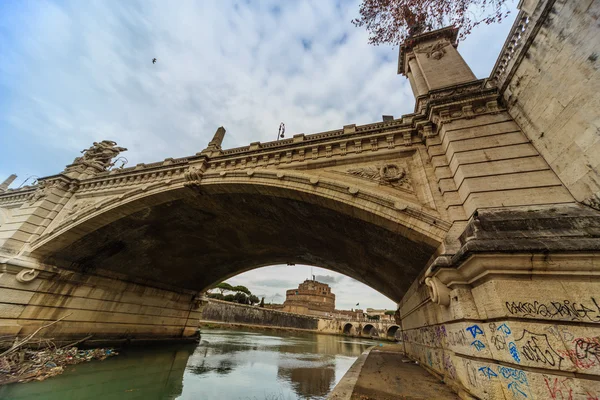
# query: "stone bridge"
[[374, 329], [477, 213]]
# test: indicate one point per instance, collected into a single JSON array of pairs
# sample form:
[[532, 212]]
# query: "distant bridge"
[[373, 329]]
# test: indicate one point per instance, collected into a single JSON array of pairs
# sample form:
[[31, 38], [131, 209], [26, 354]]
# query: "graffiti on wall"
[[536, 348], [563, 309]]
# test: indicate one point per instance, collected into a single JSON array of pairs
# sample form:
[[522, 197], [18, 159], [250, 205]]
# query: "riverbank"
[[385, 373]]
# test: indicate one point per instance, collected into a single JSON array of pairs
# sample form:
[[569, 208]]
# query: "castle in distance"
[[315, 298], [311, 297]]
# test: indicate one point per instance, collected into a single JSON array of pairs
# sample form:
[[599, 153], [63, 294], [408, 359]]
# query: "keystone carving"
[[100, 155], [193, 176], [387, 174]]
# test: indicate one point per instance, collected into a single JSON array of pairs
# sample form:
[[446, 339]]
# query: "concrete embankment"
[[384, 373]]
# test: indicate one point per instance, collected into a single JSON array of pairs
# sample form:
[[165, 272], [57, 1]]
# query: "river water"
[[225, 365]]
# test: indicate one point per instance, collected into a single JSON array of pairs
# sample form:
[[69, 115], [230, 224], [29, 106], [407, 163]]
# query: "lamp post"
[[280, 134]]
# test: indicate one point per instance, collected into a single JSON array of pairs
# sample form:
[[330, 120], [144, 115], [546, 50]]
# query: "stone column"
[[433, 60], [415, 77], [214, 146], [4, 185]]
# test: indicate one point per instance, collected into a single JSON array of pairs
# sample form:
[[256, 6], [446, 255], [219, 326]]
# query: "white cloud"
[[80, 72]]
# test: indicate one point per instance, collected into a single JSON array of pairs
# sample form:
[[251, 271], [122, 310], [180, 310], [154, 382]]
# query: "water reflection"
[[225, 365], [309, 382]]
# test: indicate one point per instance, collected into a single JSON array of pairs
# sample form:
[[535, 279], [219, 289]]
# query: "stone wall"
[[222, 311], [108, 308], [488, 162], [554, 93], [510, 338], [511, 310]]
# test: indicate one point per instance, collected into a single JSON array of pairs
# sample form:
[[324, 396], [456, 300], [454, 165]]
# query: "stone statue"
[[100, 155]]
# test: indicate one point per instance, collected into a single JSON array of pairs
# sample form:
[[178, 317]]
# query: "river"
[[227, 364]]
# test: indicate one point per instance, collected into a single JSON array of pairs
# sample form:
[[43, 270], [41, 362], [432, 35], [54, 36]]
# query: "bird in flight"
[[154, 61]]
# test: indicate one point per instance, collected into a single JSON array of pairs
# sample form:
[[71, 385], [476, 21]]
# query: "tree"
[[390, 312], [223, 286], [262, 303], [253, 299], [242, 289], [241, 294], [240, 298], [392, 21], [229, 297]]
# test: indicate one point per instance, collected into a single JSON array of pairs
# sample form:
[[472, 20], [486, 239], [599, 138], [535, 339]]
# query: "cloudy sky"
[[75, 72]]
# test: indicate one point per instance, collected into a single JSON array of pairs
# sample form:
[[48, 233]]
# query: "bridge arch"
[[369, 330], [348, 329], [391, 333], [194, 236]]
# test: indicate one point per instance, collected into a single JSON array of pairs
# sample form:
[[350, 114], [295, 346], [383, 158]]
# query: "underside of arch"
[[369, 330], [391, 332], [348, 328], [192, 239]]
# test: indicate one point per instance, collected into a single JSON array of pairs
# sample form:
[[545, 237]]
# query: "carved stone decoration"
[[40, 193], [358, 145], [44, 189], [27, 275], [390, 141], [456, 91], [440, 293], [77, 207], [387, 174], [193, 176], [99, 156], [435, 51]]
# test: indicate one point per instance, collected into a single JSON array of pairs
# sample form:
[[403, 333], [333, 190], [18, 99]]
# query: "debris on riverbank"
[[21, 363], [28, 365]]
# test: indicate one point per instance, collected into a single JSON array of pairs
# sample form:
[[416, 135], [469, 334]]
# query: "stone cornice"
[[435, 98], [482, 266], [541, 233], [16, 196]]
